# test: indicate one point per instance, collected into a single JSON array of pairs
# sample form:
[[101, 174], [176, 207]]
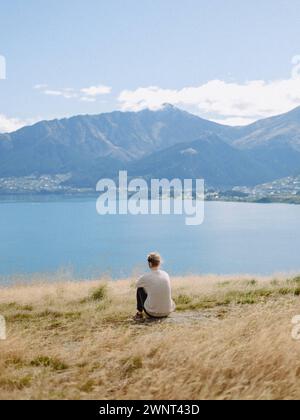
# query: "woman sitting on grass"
[[154, 292]]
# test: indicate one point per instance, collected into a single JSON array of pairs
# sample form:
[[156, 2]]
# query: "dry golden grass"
[[230, 339]]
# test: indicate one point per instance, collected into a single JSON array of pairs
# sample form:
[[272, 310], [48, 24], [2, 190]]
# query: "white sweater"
[[157, 285]]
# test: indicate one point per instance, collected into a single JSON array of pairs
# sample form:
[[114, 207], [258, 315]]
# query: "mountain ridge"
[[94, 146]]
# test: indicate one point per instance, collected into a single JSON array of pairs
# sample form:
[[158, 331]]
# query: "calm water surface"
[[68, 234]]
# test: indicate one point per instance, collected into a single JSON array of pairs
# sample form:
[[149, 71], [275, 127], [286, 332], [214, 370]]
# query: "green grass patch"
[[44, 315], [19, 316], [251, 282], [239, 297], [72, 315], [88, 386], [48, 314], [129, 366], [296, 280], [183, 299], [103, 305], [15, 306], [224, 283], [15, 361], [100, 293], [15, 383], [45, 361]]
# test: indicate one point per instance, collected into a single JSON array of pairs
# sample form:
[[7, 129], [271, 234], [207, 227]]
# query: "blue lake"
[[48, 236]]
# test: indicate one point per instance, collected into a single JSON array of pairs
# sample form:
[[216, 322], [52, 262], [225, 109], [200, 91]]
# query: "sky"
[[230, 61]]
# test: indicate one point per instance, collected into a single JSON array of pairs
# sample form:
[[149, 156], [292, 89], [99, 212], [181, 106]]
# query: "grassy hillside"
[[229, 339]]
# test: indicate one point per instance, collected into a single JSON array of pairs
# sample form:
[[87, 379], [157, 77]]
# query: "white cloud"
[[225, 102], [87, 99], [7, 124], [65, 93], [88, 94], [189, 151], [233, 121], [40, 86], [96, 90], [53, 92]]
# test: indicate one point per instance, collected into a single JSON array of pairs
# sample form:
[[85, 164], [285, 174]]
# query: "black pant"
[[141, 297]]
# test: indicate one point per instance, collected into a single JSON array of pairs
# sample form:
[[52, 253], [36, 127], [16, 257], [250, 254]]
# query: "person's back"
[[154, 295], [158, 288]]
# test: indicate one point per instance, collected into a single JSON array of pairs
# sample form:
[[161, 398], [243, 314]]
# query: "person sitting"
[[154, 297]]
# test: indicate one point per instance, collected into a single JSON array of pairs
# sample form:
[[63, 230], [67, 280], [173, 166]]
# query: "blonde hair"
[[154, 259]]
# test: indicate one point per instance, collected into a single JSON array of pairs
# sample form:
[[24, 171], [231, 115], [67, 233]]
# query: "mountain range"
[[165, 143]]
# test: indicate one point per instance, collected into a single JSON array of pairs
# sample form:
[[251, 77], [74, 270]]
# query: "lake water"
[[68, 234]]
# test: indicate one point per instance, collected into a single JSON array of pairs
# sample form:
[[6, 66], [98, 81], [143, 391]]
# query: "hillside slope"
[[149, 143], [231, 338]]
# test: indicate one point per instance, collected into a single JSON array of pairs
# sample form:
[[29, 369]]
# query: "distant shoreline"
[[36, 196]]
